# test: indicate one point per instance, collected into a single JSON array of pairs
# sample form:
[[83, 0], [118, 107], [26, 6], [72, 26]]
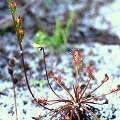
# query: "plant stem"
[[22, 55], [14, 91]]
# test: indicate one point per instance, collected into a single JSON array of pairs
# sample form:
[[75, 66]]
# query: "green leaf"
[[40, 37], [33, 82], [56, 39], [42, 82], [69, 23]]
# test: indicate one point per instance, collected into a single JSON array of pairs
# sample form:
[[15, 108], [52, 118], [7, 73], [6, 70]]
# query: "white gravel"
[[106, 60], [108, 18]]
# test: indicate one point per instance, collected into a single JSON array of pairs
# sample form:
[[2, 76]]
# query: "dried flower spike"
[[10, 71], [12, 61], [15, 81]]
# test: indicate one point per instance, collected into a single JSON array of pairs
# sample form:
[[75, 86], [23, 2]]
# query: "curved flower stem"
[[24, 67], [42, 48], [44, 57]]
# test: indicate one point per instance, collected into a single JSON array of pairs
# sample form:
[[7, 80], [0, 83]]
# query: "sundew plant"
[[78, 104]]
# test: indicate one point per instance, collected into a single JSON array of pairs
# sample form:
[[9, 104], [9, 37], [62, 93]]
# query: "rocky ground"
[[100, 50]]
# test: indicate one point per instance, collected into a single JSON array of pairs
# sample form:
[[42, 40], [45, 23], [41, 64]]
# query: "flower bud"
[[12, 61], [20, 33], [18, 22], [10, 71], [13, 7], [15, 80], [35, 45]]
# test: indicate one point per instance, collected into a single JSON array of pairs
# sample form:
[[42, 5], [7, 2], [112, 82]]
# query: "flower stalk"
[[20, 35]]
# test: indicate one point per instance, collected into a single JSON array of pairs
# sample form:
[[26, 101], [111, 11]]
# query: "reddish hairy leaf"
[[90, 71], [77, 57], [59, 79]]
